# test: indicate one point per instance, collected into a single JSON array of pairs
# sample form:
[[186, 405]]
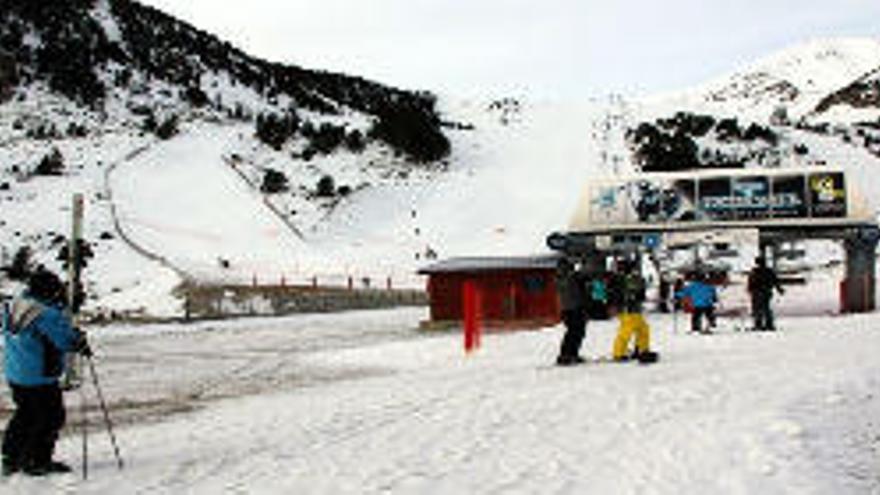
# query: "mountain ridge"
[[92, 51]]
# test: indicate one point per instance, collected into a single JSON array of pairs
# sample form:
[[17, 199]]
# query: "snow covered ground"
[[363, 403]]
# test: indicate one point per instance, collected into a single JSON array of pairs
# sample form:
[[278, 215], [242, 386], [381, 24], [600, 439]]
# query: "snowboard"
[[649, 358]]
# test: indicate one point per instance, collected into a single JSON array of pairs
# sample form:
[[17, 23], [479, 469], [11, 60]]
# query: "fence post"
[[388, 282]]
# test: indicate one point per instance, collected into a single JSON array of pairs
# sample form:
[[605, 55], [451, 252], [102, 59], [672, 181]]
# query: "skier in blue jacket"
[[37, 334], [703, 297]]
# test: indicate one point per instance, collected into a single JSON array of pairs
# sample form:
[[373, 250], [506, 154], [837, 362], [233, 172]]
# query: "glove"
[[82, 344]]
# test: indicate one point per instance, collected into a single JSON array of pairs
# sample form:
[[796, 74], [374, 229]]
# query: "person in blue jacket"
[[703, 297], [37, 334]]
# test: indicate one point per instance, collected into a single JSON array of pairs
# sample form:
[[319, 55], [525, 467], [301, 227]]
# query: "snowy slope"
[[797, 78], [507, 185], [185, 203]]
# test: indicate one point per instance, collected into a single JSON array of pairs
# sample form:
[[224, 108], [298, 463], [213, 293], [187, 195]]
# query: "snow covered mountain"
[[199, 161], [798, 79], [126, 64], [88, 85]]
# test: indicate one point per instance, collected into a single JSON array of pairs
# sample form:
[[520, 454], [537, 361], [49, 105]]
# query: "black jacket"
[[571, 285], [762, 281], [627, 292]]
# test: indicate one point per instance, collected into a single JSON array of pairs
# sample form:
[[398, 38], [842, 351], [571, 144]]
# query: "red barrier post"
[[471, 316]]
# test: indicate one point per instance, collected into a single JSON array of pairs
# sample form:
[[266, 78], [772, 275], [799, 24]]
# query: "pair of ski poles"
[[85, 424]]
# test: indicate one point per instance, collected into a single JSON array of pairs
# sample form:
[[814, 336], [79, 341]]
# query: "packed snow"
[[362, 402]]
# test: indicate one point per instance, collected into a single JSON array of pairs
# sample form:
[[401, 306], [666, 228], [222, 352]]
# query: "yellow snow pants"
[[631, 323]]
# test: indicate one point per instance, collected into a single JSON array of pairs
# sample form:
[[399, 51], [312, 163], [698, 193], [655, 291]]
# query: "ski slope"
[[183, 202], [507, 187]]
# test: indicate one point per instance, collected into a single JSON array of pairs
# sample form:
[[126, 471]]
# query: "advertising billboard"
[[746, 196]]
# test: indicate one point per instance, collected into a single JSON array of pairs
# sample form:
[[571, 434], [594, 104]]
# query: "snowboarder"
[[761, 283], [702, 296], [628, 295], [37, 333], [571, 284]]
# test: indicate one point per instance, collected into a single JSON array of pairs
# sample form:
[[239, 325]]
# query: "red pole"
[[471, 316]]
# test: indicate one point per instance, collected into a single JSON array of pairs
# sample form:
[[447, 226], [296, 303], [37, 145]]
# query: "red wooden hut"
[[514, 292]]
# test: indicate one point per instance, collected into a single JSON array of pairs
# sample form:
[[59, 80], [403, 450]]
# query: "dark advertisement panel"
[[659, 201], [827, 195], [789, 196], [751, 197], [715, 199]]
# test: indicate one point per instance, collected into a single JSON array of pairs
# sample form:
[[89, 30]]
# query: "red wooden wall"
[[507, 295]]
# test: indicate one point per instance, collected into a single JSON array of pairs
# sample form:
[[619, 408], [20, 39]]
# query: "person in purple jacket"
[[37, 333]]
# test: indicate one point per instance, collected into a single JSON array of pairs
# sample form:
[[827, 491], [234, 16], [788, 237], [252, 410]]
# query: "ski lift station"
[[646, 213]]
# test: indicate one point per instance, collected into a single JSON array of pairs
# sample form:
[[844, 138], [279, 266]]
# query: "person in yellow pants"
[[628, 292], [631, 324]]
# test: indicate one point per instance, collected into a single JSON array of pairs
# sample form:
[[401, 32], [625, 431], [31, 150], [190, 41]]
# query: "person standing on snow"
[[703, 297], [762, 280], [37, 334], [628, 291], [571, 284]]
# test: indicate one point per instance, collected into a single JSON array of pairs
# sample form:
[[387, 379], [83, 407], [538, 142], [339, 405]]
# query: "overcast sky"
[[544, 49]]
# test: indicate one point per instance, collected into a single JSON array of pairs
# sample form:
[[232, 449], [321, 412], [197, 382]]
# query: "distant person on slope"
[[762, 281], [702, 296], [628, 296], [571, 284], [36, 335]]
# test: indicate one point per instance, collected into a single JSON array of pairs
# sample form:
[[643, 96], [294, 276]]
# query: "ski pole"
[[85, 430], [675, 319], [103, 405]]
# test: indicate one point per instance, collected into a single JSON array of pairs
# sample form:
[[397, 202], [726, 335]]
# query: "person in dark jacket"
[[761, 283], [702, 296], [36, 334], [628, 296], [663, 293], [571, 284]]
